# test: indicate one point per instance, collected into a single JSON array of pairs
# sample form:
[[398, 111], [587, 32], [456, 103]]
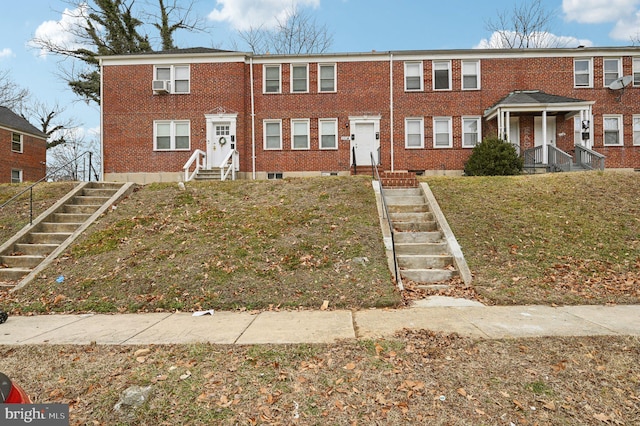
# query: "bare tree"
[[71, 160], [12, 95], [527, 25], [297, 33], [48, 120], [174, 15]]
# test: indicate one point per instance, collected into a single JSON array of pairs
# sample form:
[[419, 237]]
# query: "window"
[[471, 131], [16, 142], [16, 176], [442, 132], [172, 135], [414, 133], [442, 75], [582, 76], [636, 72], [299, 134], [274, 175], [328, 133], [272, 78], [470, 75], [612, 130], [327, 79], [612, 70], [273, 134], [636, 129], [413, 76], [178, 77], [299, 78]]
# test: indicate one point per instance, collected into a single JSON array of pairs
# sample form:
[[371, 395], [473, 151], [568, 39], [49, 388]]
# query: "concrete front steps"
[[422, 252], [31, 249], [208, 174]]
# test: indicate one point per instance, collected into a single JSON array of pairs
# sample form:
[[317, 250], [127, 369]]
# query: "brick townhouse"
[[271, 116], [23, 151]]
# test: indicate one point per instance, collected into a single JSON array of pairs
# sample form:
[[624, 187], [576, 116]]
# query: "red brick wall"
[[31, 161]]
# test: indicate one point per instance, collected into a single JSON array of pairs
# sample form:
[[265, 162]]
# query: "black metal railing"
[[353, 160], [44, 178], [385, 212]]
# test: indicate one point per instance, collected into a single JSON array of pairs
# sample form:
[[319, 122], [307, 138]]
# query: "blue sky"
[[356, 25]]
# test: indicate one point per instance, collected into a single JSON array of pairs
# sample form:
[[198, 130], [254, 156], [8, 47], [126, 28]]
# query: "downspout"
[[391, 140], [253, 122], [101, 123]]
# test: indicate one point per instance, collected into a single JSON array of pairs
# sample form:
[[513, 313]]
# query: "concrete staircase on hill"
[[32, 248], [426, 250]]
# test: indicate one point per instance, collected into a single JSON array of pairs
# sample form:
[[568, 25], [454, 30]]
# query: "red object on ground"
[[11, 393]]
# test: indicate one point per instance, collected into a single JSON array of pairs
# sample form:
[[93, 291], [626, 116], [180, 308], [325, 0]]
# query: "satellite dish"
[[621, 82]]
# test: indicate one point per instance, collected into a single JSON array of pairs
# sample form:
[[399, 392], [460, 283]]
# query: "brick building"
[[295, 115], [23, 151]]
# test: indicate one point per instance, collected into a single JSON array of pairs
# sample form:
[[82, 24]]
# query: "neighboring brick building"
[[23, 152], [296, 115]]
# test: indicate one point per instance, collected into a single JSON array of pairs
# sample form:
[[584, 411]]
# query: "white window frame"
[[306, 78], [636, 130], [264, 79], [334, 122], [305, 122], [636, 72], [19, 179], [335, 78], [476, 64], [618, 62], [478, 121], [589, 73], [172, 77], [265, 123], [435, 65], [419, 67], [407, 122], [172, 135], [620, 129], [19, 142], [437, 120]]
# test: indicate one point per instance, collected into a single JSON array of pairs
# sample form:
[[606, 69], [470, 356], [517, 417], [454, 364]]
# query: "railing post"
[[31, 206], [90, 165]]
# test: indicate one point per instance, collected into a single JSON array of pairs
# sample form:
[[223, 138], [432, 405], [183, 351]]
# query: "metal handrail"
[[46, 176], [354, 164], [558, 159], [533, 156], [385, 212], [589, 159]]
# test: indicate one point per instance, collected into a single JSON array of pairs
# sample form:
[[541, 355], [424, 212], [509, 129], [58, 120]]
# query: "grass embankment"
[[566, 238]]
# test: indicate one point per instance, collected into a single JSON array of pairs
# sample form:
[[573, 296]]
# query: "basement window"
[[274, 175]]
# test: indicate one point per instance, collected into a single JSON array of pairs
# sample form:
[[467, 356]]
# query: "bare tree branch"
[[12, 95]]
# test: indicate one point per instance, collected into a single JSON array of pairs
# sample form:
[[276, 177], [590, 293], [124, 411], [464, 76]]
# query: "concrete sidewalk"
[[243, 328]]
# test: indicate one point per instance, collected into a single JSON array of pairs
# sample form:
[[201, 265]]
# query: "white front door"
[[364, 143], [551, 131], [219, 144]]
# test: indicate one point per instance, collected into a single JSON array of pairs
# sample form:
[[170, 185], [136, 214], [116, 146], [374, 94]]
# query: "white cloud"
[[60, 33], [6, 53], [245, 14], [496, 41], [599, 11]]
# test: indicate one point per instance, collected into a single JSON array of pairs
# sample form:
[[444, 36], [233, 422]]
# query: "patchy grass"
[[225, 245], [15, 215], [566, 238], [418, 377]]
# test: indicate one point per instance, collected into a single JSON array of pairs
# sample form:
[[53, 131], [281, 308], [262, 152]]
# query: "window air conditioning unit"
[[160, 86]]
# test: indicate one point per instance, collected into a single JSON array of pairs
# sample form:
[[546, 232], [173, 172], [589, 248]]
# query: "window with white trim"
[[271, 81], [636, 72], [171, 135], [414, 133], [582, 73], [328, 130], [471, 131], [470, 75], [272, 134], [636, 130], [441, 75], [300, 134], [612, 70], [299, 78], [16, 142], [327, 77], [612, 130], [442, 134], [178, 76], [413, 76], [16, 176]]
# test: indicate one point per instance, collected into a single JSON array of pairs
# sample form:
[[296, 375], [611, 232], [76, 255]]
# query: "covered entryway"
[[221, 154], [365, 140]]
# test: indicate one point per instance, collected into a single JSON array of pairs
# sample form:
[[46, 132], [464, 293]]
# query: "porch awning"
[[536, 101]]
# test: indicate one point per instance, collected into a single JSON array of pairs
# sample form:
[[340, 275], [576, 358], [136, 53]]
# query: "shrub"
[[493, 157]]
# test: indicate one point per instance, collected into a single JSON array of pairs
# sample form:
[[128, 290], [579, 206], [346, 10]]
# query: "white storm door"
[[219, 143], [364, 143]]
